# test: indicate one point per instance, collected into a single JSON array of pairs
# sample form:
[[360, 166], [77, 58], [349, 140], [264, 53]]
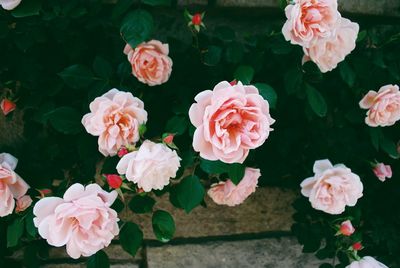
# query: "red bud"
[[169, 139], [122, 151], [233, 82], [114, 181], [196, 20], [7, 106], [357, 246]]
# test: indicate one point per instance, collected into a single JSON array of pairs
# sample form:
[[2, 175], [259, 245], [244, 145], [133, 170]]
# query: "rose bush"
[[104, 102]]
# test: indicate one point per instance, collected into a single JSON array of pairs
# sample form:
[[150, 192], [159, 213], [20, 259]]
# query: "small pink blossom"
[[122, 151], [23, 203], [346, 228], [382, 171], [227, 193]]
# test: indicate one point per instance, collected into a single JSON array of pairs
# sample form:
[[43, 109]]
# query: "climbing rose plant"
[[122, 104]]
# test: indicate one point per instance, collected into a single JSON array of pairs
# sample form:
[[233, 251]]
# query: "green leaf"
[[244, 74], [98, 260], [131, 238], [234, 52], [137, 27], [361, 35], [77, 76], [157, 2], [163, 225], [27, 8], [389, 147], [121, 7], [190, 193], [177, 124], [102, 67], [29, 225], [376, 137], [293, 80], [212, 56], [213, 167], [236, 172], [225, 33], [347, 74], [283, 4], [14, 232], [268, 93], [66, 120], [141, 204], [316, 101]]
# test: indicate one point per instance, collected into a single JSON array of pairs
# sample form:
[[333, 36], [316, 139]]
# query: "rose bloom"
[[115, 117], [150, 167], [346, 228], [150, 62], [366, 262], [327, 53], [9, 4], [82, 220], [383, 106], [332, 188], [227, 193], [310, 20], [11, 185], [23, 203], [230, 120], [382, 171]]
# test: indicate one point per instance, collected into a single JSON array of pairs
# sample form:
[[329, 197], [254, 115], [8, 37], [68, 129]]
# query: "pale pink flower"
[[150, 167], [115, 117], [82, 220], [230, 120], [382, 171], [346, 228], [227, 193], [332, 188], [383, 106], [327, 53], [366, 262], [10, 4], [23, 203], [150, 62], [11, 185], [310, 20]]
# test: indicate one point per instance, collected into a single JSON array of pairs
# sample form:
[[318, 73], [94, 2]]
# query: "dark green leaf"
[[361, 35], [177, 124], [121, 7], [98, 260], [163, 225], [376, 137], [102, 67], [66, 120], [131, 238], [27, 8], [244, 74], [316, 101], [141, 204], [234, 52], [137, 27], [213, 167], [77, 76], [212, 56], [157, 2], [389, 147], [236, 172], [293, 80], [14, 232], [268, 93], [225, 33], [29, 225], [347, 74], [190, 193]]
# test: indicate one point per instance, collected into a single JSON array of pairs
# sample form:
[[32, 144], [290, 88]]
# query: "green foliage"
[[14, 232], [316, 100], [163, 225], [190, 193], [141, 204], [131, 238], [98, 260], [137, 27], [244, 74]]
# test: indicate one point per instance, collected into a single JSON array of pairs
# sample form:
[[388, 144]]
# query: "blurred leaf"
[[347, 74], [316, 101], [27, 8], [225, 33], [293, 80], [244, 74], [157, 2], [77, 76], [102, 67], [190, 193], [29, 225], [131, 238], [177, 125], [121, 7], [163, 225], [14, 232], [212, 56], [66, 120], [268, 93], [137, 27], [98, 260], [234, 52]]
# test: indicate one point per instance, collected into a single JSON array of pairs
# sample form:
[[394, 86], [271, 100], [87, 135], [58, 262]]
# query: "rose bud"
[[23, 203], [114, 181], [196, 19], [169, 138], [122, 151], [233, 82], [357, 246], [7, 106], [346, 228], [382, 171]]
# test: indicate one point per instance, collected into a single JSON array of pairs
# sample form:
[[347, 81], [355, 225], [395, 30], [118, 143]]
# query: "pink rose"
[[332, 188], [327, 53], [382, 171], [23, 203], [115, 117], [346, 228], [366, 262], [11, 185], [310, 20], [82, 219], [227, 193], [384, 106], [9, 4], [230, 120], [150, 167], [150, 62]]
